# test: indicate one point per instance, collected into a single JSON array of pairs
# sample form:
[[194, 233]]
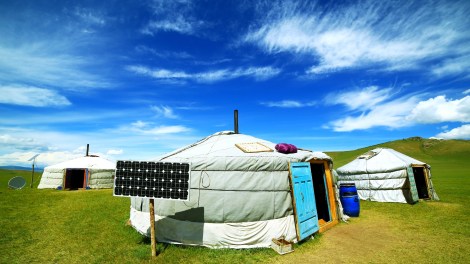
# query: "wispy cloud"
[[164, 111], [175, 16], [453, 66], [31, 96], [90, 16], [167, 54], [41, 64], [258, 73], [362, 99], [462, 132], [289, 104], [148, 128], [394, 35]]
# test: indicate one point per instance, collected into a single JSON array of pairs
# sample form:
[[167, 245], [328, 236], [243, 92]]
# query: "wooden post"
[[152, 228]]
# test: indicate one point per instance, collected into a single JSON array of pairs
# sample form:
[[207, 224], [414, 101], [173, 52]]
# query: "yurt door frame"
[[326, 180], [422, 181], [75, 178], [303, 199]]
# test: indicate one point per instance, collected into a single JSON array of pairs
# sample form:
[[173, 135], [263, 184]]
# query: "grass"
[[90, 226]]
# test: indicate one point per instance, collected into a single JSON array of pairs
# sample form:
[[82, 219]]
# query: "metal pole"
[[32, 177], [87, 149], [152, 228], [235, 119]]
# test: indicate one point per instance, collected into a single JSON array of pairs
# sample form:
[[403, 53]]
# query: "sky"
[[137, 79]]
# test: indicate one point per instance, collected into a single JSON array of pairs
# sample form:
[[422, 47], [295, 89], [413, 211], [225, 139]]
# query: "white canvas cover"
[[382, 175], [237, 199], [100, 172]]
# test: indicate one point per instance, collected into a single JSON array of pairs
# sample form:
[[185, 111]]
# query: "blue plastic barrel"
[[349, 199]]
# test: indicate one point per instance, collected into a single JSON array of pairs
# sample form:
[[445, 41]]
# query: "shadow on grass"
[[161, 247]]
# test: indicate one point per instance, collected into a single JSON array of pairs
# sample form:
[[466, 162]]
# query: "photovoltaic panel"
[[159, 180]]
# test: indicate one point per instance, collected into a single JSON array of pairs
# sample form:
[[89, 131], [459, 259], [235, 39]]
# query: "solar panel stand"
[[153, 243], [152, 180]]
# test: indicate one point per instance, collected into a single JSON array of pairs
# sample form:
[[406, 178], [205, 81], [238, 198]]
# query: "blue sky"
[[136, 79]]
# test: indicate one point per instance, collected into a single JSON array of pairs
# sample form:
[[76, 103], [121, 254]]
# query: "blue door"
[[304, 199]]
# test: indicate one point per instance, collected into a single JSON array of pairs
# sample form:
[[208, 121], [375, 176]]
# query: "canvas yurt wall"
[[237, 199], [386, 175], [89, 171]]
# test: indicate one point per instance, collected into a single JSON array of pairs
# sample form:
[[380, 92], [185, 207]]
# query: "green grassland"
[[49, 226]]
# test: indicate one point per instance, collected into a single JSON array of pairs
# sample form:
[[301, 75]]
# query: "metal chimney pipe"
[[87, 149], [235, 119]]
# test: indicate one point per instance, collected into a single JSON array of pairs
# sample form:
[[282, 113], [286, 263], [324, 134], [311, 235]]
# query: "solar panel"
[[159, 180]]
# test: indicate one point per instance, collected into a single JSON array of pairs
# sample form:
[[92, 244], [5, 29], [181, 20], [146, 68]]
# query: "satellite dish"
[[16, 183]]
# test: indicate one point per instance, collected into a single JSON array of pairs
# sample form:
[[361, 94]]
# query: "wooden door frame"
[[331, 196]]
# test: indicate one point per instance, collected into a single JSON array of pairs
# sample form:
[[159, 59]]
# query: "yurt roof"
[[379, 160], [221, 148], [84, 162]]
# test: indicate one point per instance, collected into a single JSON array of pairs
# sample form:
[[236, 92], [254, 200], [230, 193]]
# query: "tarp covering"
[[382, 175], [100, 172], [237, 199]]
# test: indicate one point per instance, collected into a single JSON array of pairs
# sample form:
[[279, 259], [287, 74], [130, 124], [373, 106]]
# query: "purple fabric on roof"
[[286, 148]]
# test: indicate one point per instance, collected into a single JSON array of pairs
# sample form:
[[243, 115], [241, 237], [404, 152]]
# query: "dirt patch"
[[359, 241]]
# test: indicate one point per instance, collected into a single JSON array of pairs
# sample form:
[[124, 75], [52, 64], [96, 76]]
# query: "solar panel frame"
[[153, 180]]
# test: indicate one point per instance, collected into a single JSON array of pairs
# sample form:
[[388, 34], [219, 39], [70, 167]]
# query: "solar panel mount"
[[158, 180]]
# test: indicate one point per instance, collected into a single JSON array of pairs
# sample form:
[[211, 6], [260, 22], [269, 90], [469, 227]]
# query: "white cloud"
[[377, 108], [462, 132], [391, 114], [288, 104], [31, 96], [178, 24], [44, 159], [8, 141], [114, 152], [164, 111], [362, 99], [466, 91], [147, 128], [258, 73], [404, 35], [139, 124], [440, 109]]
